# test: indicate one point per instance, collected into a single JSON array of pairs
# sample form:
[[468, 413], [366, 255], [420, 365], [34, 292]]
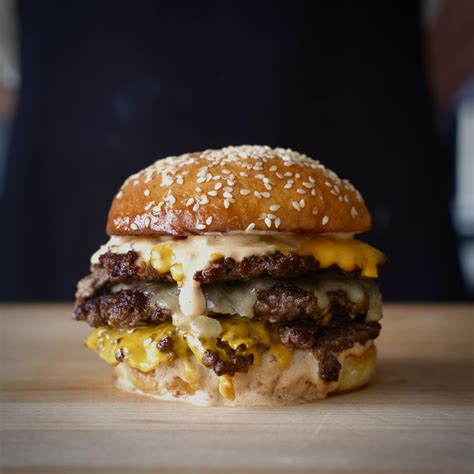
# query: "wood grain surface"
[[61, 413]]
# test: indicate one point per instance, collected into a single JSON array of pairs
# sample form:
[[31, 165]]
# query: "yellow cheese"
[[347, 254], [226, 387], [137, 346]]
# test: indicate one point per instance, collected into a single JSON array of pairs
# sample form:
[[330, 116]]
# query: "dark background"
[[109, 87]]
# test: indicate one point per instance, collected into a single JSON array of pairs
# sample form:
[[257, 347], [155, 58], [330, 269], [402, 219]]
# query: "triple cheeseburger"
[[233, 277]]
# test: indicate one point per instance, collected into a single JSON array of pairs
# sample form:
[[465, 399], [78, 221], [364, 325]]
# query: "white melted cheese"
[[238, 298]]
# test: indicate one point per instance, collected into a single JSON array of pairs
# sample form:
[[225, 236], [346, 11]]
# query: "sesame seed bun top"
[[243, 188]]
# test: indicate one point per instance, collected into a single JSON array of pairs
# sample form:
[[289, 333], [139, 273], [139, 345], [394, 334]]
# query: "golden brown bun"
[[262, 385], [237, 189]]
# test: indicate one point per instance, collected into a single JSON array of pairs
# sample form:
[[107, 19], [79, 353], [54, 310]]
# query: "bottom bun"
[[265, 384]]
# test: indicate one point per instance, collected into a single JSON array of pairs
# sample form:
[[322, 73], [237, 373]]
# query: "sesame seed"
[[200, 226], [250, 227], [146, 192], [227, 194], [209, 220], [274, 207], [196, 207], [260, 160], [277, 222], [133, 226], [271, 216], [314, 211], [189, 202], [171, 199], [204, 200], [354, 212], [296, 205], [268, 222], [262, 216], [325, 220], [302, 203]]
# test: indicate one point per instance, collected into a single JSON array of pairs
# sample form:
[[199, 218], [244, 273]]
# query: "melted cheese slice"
[[138, 347]]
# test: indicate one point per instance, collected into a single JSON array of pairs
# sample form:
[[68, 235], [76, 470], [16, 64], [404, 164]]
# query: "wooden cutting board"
[[61, 413]]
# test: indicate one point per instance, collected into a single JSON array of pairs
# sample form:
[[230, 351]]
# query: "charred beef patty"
[[236, 363], [281, 302], [284, 302], [126, 308], [276, 265], [120, 265], [340, 334]]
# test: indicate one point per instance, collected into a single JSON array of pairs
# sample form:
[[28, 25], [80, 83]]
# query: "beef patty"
[[340, 334], [125, 308]]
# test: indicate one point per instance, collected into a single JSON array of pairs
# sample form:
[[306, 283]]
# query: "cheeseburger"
[[233, 277]]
